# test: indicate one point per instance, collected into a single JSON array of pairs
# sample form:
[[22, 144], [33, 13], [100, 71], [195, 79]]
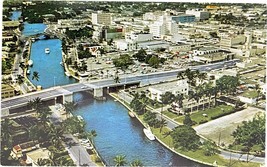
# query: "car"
[[84, 87]]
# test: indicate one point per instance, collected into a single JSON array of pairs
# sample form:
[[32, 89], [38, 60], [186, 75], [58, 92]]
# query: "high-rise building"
[[101, 18]]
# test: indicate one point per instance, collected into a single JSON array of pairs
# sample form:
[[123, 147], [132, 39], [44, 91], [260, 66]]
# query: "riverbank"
[[196, 156]]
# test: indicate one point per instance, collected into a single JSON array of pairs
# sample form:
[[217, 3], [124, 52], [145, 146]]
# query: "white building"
[[33, 156], [158, 29], [199, 14], [101, 18], [138, 37], [180, 87]]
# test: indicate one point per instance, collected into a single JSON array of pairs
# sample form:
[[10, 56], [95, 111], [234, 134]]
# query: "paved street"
[[76, 151]]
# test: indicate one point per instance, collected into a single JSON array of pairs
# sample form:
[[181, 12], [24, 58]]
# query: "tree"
[[123, 61], [185, 138], [6, 133], [43, 162], [167, 98], [20, 79], [140, 55], [136, 163], [257, 87], [69, 107], [179, 98], [35, 76], [162, 123], [92, 135], [120, 160], [187, 120], [154, 61], [151, 119], [251, 133], [209, 148]]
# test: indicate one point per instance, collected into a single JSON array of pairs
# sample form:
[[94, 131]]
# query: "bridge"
[[97, 87]]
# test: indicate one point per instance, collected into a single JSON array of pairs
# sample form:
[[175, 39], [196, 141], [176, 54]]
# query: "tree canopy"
[[123, 61], [185, 137]]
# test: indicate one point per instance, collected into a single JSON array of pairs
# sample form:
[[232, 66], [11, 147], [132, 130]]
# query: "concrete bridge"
[[96, 88]]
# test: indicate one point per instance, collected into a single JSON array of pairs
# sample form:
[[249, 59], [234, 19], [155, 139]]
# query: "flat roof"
[[170, 86], [39, 153]]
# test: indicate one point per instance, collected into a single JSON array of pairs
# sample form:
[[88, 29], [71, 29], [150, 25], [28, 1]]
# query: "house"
[[33, 156], [18, 150]]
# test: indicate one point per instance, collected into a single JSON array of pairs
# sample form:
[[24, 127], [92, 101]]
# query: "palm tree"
[[6, 133], [180, 97], [22, 65], [35, 76], [20, 79], [257, 87], [120, 160], [35, 104], [69, 107], [202, 76], [162, 123], [43, 162], [34, 133], [180, 75], [136, 163], [92, 135]]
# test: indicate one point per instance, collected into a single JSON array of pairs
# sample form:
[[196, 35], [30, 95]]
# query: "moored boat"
[[30, 62], [149, 134], [47, 50], [131, 114]]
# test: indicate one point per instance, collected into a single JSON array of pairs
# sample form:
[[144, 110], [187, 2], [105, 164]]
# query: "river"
[[117, 133]]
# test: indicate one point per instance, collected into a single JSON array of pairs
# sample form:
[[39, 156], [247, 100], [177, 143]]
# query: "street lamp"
[[54, 81]]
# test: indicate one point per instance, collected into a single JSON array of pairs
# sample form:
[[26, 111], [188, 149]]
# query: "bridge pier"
[[67, 98], [4, 112], [98, 93]]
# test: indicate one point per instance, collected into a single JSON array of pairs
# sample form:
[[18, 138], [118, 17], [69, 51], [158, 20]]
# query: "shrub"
[[202, 121]]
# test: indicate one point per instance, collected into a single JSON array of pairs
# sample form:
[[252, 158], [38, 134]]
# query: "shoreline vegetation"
[[196, 156]]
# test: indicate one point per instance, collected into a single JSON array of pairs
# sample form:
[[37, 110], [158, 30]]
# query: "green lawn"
[[199, 154], [210, 112], [170, 114], [250, 93]]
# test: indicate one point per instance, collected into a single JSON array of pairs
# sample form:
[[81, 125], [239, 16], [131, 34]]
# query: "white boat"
[[30, 62], [149, 134], [47, 50], [80, 117], [68, 74], [28, 72]]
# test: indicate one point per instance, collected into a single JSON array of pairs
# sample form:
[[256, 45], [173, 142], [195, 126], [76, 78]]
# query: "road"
[[76, 151], [144, 78]]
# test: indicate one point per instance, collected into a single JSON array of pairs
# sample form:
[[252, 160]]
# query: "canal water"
[[33, 29], [15, 15], [51, 72], [117, 133]]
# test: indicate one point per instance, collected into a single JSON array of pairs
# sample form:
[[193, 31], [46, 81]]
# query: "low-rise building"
[[199, 14], [7, 91], [179, 87], [33, 156], [20, 149]]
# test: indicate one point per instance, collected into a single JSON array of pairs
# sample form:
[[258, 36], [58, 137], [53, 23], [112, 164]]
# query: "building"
[[158, 29], [199, 14], [180, 87], [10, 25], [211, 54], [33, 156], [229, 41], [101, 18], [20, 149], [183, 18], [179, 47], [138, 37], [7, 91]]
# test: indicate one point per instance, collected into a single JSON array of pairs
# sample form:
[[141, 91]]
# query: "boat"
[[28, 72], [47, 50], [68, 74], [30, 62], [80, 118], [149, 134], [131, 114]]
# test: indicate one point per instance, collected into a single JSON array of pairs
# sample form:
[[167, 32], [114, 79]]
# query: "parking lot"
[[220, 130]]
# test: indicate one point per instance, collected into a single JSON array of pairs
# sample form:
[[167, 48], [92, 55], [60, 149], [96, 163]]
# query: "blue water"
[[33, 29], [117, 134], [48, 65], [15, 15]]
